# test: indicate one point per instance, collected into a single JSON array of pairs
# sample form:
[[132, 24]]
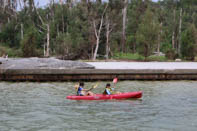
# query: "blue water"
[[165, 106]]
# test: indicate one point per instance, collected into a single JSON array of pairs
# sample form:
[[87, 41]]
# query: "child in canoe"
[[83, 92], [109, 90]]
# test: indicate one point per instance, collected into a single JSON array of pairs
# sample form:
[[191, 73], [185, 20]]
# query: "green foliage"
[[64, 44], [11, 52], [165, 47], [171, 54], [72, 32], [29, 43], [189, 43], [9, 35], [69, 45], [147, 34]]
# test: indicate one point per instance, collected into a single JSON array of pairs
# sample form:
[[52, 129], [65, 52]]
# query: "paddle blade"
[[95, 86], [76, 86], [115, 80]]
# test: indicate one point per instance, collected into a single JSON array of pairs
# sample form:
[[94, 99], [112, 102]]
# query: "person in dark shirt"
[[83, 92]]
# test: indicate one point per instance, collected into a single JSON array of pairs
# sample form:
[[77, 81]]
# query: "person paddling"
[[108, 89], [83, 92], [111, 90]]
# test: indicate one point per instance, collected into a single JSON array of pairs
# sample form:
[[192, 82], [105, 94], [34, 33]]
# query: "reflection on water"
[[165, 106]]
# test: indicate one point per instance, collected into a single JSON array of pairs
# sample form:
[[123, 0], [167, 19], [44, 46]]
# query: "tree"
[[136, 10], [112, 23], [97, 21], [29, 43], [189, 42], [147, 34], [124, 19]]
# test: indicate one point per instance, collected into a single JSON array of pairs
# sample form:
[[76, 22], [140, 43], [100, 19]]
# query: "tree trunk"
[[48, 40], [4, 4], [180, 26], [52, 11], [58, 30], [124, 14], [44, 49], [96, 49], [107, 40], [20, 4], [60, 1], [173, 34], [63, 23], [159, 38], [92, 51], [22, 32], [134, 47], [98, 33], [8, 20]]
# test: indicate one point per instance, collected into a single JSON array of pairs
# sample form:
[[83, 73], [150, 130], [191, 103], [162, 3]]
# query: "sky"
[[44, 2]]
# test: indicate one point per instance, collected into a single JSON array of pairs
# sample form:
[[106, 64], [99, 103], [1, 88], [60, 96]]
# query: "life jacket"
[[108, 91], [79, 91]]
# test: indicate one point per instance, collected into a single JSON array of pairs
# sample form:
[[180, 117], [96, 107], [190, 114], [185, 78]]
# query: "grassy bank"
[[138, 57]]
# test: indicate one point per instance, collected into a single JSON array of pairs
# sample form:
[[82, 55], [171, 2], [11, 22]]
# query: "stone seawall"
[[94, 74], [51, 69]]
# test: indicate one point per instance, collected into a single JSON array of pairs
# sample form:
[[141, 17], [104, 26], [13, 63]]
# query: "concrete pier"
[[95, 71], [94, 74]]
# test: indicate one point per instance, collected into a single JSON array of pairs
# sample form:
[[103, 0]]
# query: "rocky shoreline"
[[42, 63]]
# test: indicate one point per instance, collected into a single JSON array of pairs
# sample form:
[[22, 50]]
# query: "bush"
[[10, 35], [70, 47], [171, 54], [29, 43], [11, 52]]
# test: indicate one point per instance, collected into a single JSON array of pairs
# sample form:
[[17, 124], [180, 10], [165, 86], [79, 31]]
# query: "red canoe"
[[126, 95]]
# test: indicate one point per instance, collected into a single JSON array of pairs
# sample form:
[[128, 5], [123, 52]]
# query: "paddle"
[[115, 80], [76, 86], [93, 87]]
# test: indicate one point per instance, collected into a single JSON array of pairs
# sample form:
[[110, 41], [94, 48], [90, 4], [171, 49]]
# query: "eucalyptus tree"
[[97, 14], [147, 34], [124, 19], [8, 23], [189, 42], [136, 10], [112, 23]]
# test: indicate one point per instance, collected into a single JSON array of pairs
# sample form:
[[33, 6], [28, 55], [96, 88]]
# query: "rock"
[[43, 63], [178, 60]]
